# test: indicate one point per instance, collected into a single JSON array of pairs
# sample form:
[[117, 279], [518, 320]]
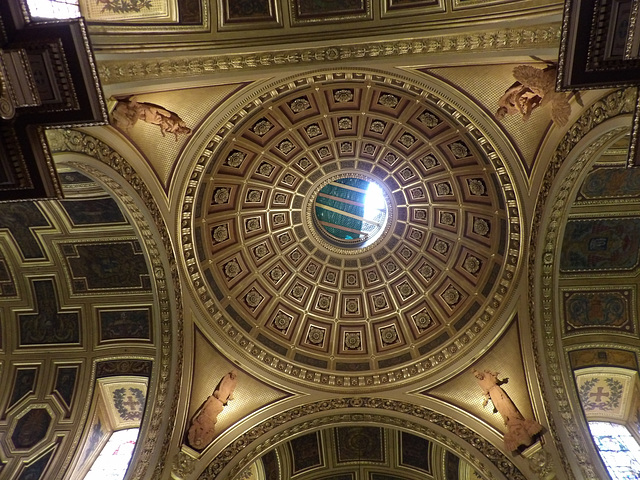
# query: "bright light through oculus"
[[350, 211], [375, 208]]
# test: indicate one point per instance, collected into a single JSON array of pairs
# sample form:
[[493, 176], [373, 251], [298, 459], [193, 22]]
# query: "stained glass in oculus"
[[619, 450], [350, 210]]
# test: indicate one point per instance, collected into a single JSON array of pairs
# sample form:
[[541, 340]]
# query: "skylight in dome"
[[113, 461], [374, 203], [53, 9], [619, 450]]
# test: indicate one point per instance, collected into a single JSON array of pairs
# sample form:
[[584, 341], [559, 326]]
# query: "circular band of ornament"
[[346, 310]]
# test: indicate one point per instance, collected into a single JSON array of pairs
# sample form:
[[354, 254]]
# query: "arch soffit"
[[463, 441], [601, 122], [103, 163]]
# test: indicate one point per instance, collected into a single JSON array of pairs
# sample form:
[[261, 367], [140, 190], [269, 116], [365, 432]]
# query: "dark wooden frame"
[[70, 95], [586, 59]]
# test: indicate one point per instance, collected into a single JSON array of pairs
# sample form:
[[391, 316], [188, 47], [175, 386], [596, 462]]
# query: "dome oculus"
[[350, 211]]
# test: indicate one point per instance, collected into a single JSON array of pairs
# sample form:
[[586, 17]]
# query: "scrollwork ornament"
[[342, 96], [423, 320], [221, 196], [183, 464], [481, 226], [299, 105], [542, 465], [7, 110]]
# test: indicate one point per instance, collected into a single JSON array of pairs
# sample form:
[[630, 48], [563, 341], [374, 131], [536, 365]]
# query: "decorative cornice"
[[339, 412], [67, 140], [617, 103], [542, 36]]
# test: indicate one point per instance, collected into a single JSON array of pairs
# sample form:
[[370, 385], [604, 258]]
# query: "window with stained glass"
[[113, 461], [619, 450]]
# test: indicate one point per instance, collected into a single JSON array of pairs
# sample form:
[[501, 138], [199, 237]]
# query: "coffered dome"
[[321, 279]]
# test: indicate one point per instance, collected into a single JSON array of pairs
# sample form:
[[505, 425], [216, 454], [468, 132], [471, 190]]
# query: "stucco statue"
[[127, 112], [534, 88], [224, 390], [519, 430], [202, 429]]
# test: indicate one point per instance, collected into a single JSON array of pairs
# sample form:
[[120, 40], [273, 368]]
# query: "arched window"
[[113, 461], [111, 436], [610, 398], [619, 450]]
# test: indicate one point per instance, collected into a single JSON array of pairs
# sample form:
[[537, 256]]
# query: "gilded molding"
[[183, 464], [421, 414], [617, 103], [67, 140], [114, 71]]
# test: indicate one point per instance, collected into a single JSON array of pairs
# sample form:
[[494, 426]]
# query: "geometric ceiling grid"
[[364, 452], [322, 310], [75, 291], [350, 233], [601, 239]]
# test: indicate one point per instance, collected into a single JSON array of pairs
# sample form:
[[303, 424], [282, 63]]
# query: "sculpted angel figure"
[[202, 429], [127, 112], [519, 430], [534, 88]]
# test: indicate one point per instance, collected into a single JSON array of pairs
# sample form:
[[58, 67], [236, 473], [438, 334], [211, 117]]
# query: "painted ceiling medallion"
[[368, 237]]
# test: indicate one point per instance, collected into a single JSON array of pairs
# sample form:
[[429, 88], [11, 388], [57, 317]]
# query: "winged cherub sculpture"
[[534, 88]]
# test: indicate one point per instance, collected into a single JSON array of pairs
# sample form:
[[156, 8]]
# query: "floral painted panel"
[[605, 393], [601, 394], [126, 10], [598, 310]]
